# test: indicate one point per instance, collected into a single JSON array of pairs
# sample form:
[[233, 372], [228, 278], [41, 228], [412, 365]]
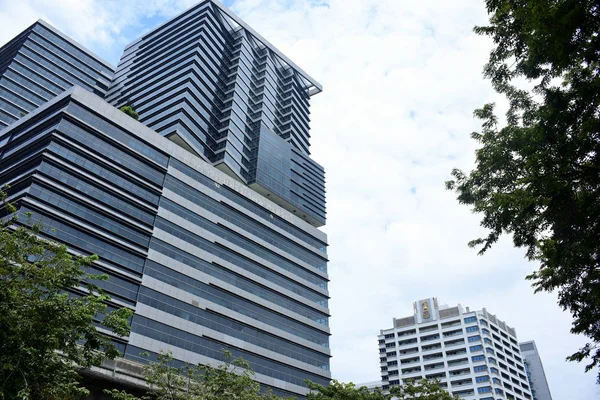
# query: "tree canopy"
[[230, 380], [422, 390], [538, 177], [46, 335]]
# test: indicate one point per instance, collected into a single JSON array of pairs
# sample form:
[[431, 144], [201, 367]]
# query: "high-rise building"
[[42, 62], [207, 259], [535, 371], [472, 353], [210, 83]]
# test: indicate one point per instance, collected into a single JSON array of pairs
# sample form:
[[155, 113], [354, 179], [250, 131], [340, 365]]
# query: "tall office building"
[[535, 371], [42, 62], [472, 353], [206, 259], [212, 84]]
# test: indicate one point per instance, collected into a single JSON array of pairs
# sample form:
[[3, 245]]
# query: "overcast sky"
[[401, 80]]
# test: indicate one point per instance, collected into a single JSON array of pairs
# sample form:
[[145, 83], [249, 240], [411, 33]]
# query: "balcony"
[[461, 382], [431, 347], [433, 356], [407, 333], [459, 372], [458, 362], [409, 371], [409, 351], [452, 343], [430, 338], [410, 361], [428, 328], [435, 366], [451, 324], [464, 393], [456, 332], [454, 353], [439, 375]]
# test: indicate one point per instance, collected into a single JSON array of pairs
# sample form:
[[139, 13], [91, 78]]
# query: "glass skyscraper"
[[204, 214], [40, 63], [212, 84]]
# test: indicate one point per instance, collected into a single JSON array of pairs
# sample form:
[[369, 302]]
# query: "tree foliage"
[[130, 111], [422, 390], [231, 380], [46, 335], [538, 177]]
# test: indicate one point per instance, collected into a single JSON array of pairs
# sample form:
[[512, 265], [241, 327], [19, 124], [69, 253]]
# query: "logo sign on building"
[[425, 310]]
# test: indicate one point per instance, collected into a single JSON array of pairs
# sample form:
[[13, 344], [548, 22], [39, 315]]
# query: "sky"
[[400, 82]]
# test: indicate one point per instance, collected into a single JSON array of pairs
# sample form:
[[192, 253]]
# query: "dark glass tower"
[[207, 259], [213, 85], [39, 64]]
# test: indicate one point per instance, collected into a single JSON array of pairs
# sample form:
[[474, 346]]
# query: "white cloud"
[[103, 26], [379, 62], [401, 80]]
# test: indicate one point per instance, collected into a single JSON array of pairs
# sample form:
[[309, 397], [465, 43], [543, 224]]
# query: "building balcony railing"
[[454, 343], [433, 367], [457, 362]]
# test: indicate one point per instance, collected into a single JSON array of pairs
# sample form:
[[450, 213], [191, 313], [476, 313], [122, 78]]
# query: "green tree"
[[422, 390], [538, 177], [46, 336], [231, 380], [130, 111]]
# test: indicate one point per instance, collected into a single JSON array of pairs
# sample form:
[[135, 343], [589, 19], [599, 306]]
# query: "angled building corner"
[[204, 213]]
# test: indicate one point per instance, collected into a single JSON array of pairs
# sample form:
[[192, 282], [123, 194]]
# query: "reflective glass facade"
[[204, 214], [214, 86], [39, 64], [205, 262]]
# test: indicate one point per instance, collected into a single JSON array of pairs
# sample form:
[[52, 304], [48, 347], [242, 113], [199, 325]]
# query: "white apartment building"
[[472, 353]]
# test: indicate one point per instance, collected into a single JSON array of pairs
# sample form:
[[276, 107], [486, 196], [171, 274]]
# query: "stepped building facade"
[[205, 212]]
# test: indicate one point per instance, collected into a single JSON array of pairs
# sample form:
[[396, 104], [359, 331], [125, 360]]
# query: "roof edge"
[[75, 43]]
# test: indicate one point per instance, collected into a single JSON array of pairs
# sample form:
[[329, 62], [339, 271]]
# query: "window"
[[485, 331], [479, 368], [476, 348], [485, 389], [477, 358], [470, 319], [409, 332], [408, 341], [474, 338], [487, 349], [429, 337], [472, 328], [482, 379]]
